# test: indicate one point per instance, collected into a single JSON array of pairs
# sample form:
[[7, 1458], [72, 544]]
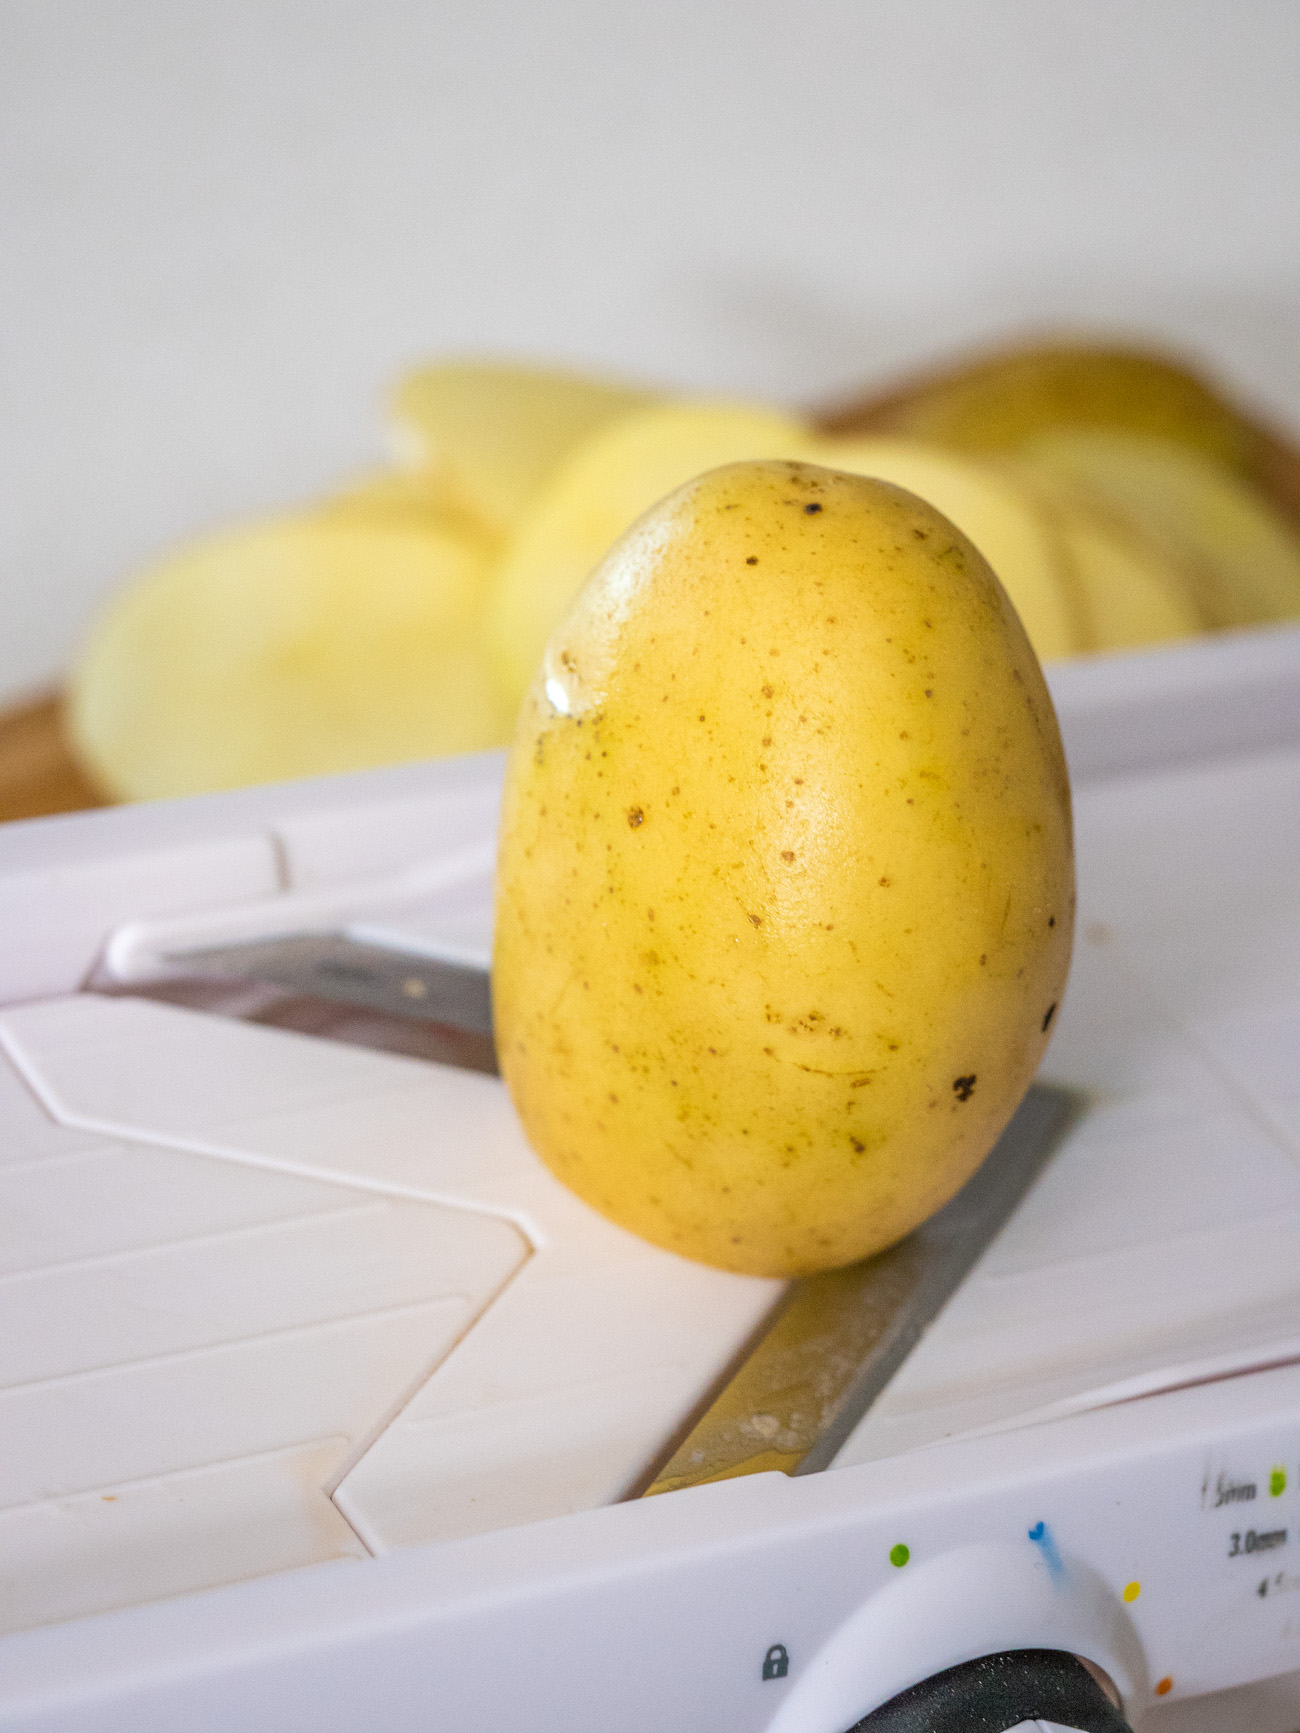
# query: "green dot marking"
[[899, 1555], [1277, 1482]]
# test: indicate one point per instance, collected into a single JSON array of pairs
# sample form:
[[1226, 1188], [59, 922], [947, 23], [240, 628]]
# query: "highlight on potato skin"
[[785, 888]]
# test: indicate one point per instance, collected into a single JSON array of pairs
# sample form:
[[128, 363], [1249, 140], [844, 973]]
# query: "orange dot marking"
[[1132, 1591], [1164, 1687]]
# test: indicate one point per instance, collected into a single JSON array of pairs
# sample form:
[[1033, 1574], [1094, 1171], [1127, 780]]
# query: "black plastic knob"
[[997, 1692]]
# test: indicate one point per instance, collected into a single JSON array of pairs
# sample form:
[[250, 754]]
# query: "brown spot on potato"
[[635, 817], [1051, 1012], [964, 1087]]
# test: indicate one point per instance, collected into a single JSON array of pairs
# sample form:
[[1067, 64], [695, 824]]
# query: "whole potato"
[[785, 885], [996, 511]]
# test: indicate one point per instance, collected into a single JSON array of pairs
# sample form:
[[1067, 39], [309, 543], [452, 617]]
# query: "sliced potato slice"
[[493, 434], [1131, 592], [607, 484], [396, 499], [401, 499], [1013, 532], [1242, 557], [290, 649]]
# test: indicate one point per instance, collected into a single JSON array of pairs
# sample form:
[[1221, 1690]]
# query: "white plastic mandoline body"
[[272, 1302]]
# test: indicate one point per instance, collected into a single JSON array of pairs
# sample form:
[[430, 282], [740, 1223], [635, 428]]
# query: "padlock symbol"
[[776, 1663]]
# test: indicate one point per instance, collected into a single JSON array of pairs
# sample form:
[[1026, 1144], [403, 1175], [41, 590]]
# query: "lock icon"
[[776, 1663]]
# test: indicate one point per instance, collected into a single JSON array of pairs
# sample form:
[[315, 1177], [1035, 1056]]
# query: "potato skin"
[[785, 885]]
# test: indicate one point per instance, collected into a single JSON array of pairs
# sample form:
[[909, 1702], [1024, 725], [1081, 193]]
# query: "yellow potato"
[[608, 482], [290, 649], [785, 884], [493, 434], [1013, 532], [1241, 555]]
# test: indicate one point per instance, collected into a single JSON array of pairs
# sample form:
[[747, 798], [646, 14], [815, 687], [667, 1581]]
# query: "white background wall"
[[225, 224]]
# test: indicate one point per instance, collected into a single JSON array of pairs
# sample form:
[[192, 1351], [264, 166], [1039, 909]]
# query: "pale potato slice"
[[291, 649], [493, 434], [1009, 527], [607, 484], [1131, 592], [397, 499], [1242, 557]]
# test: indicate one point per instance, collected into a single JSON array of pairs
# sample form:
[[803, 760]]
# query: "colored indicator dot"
[[1277, 1483], [899, 1555], [1132, 1591], [1165, 1686]]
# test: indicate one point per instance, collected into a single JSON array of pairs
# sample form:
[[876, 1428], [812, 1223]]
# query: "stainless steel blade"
[[333, 966], [837, 1339]]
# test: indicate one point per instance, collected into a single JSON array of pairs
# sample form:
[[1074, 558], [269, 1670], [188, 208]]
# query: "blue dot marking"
[[1041, 1536]]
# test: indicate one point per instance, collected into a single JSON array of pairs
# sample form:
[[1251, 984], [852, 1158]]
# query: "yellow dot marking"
[[1165, 1686], [1132, 1591]]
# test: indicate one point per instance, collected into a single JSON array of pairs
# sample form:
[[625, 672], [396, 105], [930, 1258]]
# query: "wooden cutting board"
[[38, 774]]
